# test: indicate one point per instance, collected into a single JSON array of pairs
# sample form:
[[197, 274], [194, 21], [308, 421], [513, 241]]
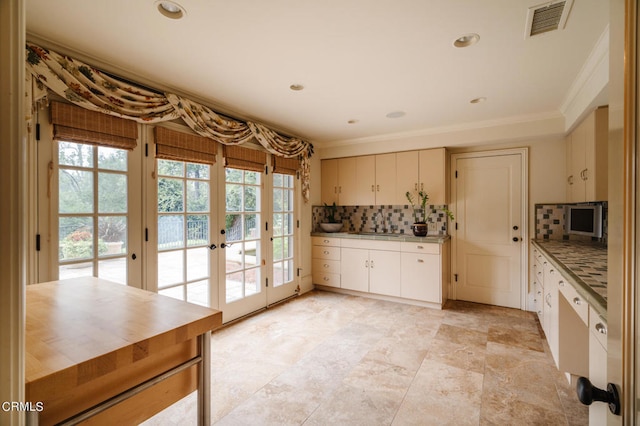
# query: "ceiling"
[[358, 60]]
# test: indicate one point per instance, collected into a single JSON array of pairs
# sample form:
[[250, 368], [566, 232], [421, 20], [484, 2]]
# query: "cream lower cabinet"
[[325, 255], [551, 302], [421, 275], [370, 266], [597, 365]]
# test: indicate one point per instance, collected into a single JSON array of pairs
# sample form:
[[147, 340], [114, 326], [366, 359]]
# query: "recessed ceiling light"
[[396, 114], [171, 9], [478, 100], [296, 87], [466, 40]]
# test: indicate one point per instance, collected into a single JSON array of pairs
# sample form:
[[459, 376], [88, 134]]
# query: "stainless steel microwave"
[[584, 220]]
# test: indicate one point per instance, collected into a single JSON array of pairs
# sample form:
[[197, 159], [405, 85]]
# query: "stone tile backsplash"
[[396, 219], [550, 221]]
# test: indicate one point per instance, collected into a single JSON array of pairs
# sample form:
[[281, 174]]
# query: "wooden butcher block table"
[[104, 353]]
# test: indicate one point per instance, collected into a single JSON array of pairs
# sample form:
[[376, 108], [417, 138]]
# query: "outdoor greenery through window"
[[183, 230], [92, 211]]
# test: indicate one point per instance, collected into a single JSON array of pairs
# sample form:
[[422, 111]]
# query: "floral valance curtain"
[[93, 89]]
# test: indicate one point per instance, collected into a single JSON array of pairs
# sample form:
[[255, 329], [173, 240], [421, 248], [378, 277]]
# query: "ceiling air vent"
[[547, 17]]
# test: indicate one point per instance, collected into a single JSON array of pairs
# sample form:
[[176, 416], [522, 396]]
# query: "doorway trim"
[[524, 255]]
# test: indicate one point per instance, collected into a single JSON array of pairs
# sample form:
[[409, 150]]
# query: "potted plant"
[[420, 216], [419, 226], [331, 224]]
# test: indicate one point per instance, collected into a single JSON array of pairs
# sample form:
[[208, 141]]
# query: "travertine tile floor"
[[332, 359]]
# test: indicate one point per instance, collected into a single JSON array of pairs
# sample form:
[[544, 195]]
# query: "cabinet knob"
[[420, 261], [601, 328], [577, 301], [326, 278], [325, 252], [570, 180], [325, 265], [420, 247], [561, 283]]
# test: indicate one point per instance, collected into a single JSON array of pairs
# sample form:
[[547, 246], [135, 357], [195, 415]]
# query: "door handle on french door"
[[223, 245], [212, 247]]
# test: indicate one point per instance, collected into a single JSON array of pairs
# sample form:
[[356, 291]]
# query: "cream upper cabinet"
[[586, 148], [329, 191], [406, 175], [384, 179], [432, 175], [365, 181], [347, 184], [386, 170]]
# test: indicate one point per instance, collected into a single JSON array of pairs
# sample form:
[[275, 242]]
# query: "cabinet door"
[[385, 170], [432, 177], [354, 269], [578, 147], [598, 377], [420, 277], [384, 272], [365, 180], [406, 175], [347, 182], [329, 191], [551, 313], [596, 158]]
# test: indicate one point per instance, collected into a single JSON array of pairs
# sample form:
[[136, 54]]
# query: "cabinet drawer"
[[328, 279], [598, 327], [325, 241], [576, 301], [322, 252], [427, 248], [325, 265]]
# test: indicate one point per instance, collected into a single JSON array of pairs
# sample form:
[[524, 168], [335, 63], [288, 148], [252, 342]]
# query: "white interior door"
[[490, 202]]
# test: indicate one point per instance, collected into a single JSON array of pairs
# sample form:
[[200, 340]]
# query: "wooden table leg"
[[204, 380]]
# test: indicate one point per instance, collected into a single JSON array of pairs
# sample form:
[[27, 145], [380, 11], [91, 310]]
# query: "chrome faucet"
[[384, 222]]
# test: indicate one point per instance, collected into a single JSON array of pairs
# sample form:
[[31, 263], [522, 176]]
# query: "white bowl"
[[331, 227]]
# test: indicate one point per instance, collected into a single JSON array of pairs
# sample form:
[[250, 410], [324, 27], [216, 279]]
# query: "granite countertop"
[[585, 264], [436, 239]]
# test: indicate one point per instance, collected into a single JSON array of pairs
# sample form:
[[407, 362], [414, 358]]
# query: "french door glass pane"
[[242, 234], [283, 187], [92, 211], [184, 201]]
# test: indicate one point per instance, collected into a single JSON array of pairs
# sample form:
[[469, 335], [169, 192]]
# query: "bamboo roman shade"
[[238, 157], [286, 166], [180, 146], [75, 124]]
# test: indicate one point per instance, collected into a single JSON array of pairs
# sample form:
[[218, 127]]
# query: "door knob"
[[515, 227], [516, 239], [587, 393]]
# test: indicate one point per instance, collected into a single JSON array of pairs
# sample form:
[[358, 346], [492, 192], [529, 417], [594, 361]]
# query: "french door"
[[283, 238], [184, 232], [95, 212], [242, 283], [258, 241]]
